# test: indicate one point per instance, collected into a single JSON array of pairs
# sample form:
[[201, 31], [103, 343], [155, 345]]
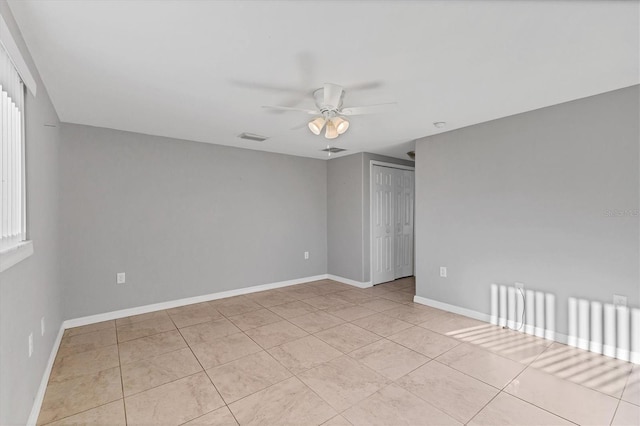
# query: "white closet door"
[[405, 224], [398, 222], [383, 225]]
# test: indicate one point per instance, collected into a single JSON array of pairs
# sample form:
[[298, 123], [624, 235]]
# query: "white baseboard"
[[452, 308], [548, 334], [343, 280], [107, 316], [37, 403]]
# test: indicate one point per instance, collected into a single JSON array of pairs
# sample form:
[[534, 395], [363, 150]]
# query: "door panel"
[[393, 223], [383, 225]]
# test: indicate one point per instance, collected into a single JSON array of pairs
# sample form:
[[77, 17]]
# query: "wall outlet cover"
[[306, 255], [619, 300], [443, 272], [121, 278]]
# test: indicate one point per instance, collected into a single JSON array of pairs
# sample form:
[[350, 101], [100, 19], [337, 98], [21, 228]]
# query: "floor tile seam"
[[355, 325], [632, 403], [615, 412], [482, 408], [259, 390], [575, 383], [478, 346], [145, 320], [502, 390], [252, 328], [124, 406], [144, 337], [423, 400], [152, 334], [87, 332], [50, 381], [60, 357], [534, 404], [626, 383], [151, 357], [83, 411], [315, 393], [203, 370], [297, 316], [430, 357], [371, 331], [539, 407], [391, 341], [262, 350], [162, 384], [491, 353]]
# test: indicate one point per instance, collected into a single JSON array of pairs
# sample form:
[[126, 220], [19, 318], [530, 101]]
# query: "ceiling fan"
[[330, 113]]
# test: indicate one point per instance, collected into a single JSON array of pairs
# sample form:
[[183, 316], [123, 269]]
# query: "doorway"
[[392, 221]]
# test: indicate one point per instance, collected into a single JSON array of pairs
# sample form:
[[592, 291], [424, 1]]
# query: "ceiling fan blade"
[[270, 87], [332, 94], [364, 86], [369, 109], [282, 108]]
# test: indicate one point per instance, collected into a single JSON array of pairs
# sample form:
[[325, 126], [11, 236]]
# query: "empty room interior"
[[319, 212]]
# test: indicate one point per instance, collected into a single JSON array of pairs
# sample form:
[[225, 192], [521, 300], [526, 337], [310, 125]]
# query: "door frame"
[[391, 166]]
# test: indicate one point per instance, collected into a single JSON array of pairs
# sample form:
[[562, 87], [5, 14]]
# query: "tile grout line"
[[178, 329], [205, 373], [91, 408], [530, 402], [124, 403], [381, 337]]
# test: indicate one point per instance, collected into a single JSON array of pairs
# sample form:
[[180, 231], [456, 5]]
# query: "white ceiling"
[[185, 69]]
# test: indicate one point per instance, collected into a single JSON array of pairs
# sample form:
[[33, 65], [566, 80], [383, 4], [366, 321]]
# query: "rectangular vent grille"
[[333, 149], [252, 137]]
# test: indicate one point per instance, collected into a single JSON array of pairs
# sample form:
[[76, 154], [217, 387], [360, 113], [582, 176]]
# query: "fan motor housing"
[[331, 110]]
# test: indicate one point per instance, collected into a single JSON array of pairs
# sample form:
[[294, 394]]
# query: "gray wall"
[[31, 289], [182, 218], [344, 216], [348, 194], [525, 198]]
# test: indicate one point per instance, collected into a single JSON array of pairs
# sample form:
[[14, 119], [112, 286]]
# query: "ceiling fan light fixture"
[[341, 124], [331, 132], [316, 125]]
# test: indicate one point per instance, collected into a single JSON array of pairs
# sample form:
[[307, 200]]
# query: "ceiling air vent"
[[252, 137], [333, 149]]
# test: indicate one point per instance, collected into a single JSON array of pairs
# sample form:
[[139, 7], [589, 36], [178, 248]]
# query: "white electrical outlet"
[[30, 344], [121, 278], [42, 326], [443, 271], [519, 286], [306, 255], [619, 300]]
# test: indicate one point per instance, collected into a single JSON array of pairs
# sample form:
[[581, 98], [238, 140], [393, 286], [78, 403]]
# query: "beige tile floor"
[[328, 353]]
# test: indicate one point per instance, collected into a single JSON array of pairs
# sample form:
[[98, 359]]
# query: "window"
[[12, 190], [14, 76]]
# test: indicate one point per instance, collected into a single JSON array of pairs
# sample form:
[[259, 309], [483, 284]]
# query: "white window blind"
[[12, 194]]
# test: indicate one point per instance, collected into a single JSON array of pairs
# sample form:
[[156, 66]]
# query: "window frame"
[[23, 249]]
